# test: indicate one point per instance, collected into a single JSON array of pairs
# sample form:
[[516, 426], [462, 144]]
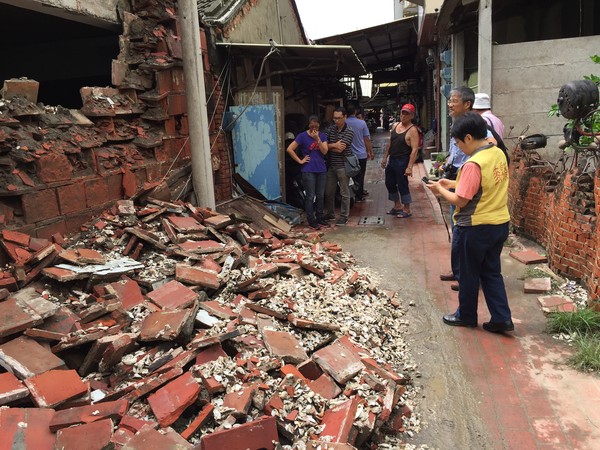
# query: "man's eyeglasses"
[[337, 118]]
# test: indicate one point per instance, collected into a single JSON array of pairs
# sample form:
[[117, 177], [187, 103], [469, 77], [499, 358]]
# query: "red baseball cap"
[[408, 107]]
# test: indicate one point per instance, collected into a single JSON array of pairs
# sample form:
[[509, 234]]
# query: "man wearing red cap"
[[398, 161]]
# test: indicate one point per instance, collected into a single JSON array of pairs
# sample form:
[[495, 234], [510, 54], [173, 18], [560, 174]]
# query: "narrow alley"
[[480, 390]]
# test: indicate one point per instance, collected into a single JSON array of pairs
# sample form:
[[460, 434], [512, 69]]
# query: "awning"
[[318, 60], [383, 46]]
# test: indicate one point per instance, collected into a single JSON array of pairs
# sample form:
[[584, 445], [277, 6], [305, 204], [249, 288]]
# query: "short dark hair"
[[351, 109], [341, 109], [469, 123], [466, 94], [314, 118]]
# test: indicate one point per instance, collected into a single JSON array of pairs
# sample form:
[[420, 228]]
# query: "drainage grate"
[[371, 220]]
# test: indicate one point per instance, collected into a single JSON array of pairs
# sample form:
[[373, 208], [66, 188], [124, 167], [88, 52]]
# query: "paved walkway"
[[480, 390]]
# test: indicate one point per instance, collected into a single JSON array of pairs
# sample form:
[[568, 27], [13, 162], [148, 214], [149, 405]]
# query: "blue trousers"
[[314, 188], [478, 249], [395, 180]]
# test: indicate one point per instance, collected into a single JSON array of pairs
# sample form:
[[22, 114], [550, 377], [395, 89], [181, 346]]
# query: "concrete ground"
[[480, 390]]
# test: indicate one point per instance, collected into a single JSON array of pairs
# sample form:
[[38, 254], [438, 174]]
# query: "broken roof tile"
[[172, 295], [54, 387], [25, 358], [26, 428], [91, 436], [11, 388], [88, 414], [338, 361], [169, 402]]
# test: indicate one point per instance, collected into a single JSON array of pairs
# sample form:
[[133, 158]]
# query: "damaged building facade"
[[159, 323]]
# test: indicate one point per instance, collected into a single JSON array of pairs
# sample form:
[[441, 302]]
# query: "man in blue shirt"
[[460, 102], [361, 147]]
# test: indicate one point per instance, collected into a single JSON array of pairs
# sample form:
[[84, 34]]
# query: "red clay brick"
[[285, 346], [325, 386], [96, 192], [258, 434], [71, 198], [529, 257], [26, 428], [11, 389], [164, 325], [129, 292], [338, 361], [92, 436], [26, 358], [40, 205], [241, 400], [54, 387], [172, 295], [53, 167], [211, 353], [88, 414], [338, 422], [197, 276], [169, 402]]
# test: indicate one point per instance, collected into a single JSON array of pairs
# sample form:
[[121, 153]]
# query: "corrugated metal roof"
[[382, 46], [307, 59], [219, 11]]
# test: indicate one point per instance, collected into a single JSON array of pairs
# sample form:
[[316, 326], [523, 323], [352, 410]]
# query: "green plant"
[[582, 322], [587, 358], [533, 272], [591, 124]]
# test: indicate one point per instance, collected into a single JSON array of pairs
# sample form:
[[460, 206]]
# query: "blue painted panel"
[[255, 148]]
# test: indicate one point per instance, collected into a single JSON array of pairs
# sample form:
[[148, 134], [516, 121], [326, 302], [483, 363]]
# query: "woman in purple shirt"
[[313, 146]]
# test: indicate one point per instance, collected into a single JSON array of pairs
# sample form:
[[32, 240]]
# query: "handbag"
[[352, 166]]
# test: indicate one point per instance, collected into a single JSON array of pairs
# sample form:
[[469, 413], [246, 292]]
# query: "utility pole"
[[193, 70]]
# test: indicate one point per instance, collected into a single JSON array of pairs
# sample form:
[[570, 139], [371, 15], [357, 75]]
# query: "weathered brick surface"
[[561, 216], [40, 205], [71, 198]]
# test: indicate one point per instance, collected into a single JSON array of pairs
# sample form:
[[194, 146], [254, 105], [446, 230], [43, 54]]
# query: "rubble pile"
[[171, 326]]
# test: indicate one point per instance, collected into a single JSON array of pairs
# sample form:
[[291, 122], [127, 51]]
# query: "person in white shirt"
[[483, 107]]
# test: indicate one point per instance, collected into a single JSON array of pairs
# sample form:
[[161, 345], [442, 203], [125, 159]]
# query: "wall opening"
[[63, 55]]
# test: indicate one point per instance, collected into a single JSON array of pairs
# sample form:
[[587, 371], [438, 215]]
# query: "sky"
[[322, 18]]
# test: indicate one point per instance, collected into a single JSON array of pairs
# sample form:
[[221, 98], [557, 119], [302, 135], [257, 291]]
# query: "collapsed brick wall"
[[58, 168], [560, 213]]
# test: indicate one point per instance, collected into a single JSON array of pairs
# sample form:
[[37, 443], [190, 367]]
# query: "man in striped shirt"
[[339, 142]]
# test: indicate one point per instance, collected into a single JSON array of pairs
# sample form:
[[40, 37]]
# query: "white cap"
[[289, 135], [482, 101]]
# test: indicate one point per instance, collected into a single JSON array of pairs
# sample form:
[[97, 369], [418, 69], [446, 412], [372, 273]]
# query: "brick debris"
[[170, 323]]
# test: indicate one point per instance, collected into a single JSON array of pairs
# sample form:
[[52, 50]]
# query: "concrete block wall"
[[561, 215]]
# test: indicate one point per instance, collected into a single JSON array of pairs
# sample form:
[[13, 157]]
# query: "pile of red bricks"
[[560, 214], [170, 326], [60, 167]]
